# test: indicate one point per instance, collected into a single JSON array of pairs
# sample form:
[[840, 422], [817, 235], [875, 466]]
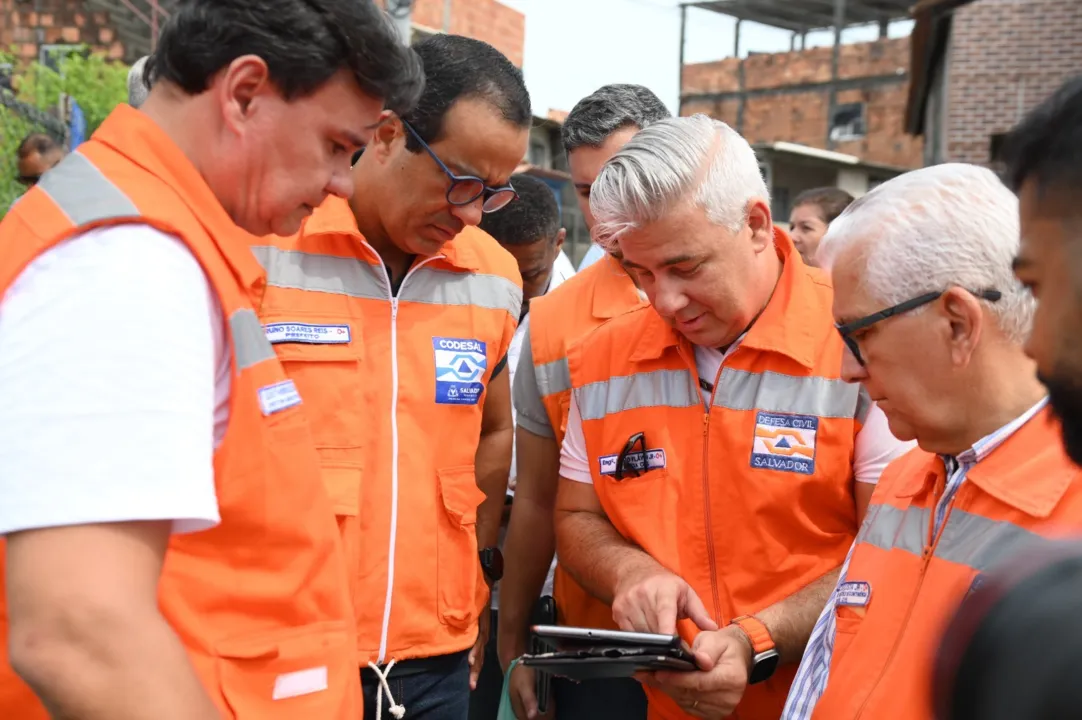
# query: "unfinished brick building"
[[979, 66]]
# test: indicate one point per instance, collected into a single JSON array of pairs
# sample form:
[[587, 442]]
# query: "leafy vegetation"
[[96, 83]]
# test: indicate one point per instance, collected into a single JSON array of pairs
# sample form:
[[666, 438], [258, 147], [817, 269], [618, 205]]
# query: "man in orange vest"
[[935, 322], [394, 313], [170, 550], [712, 450], [598, 126], [1026, 614]]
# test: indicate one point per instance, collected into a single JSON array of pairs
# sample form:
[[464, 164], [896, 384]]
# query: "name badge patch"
[[654, 460], [784, 442], [278, 397], [305, 333], [854, 594], [460, 365]]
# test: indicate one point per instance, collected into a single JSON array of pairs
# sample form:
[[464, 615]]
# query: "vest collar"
[[135, 136], [614, 291], [335, 217], [788, 325], [1020, 477]]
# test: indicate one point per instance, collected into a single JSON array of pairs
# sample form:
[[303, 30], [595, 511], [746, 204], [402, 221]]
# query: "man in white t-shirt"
[[116, 362], [715, 467]]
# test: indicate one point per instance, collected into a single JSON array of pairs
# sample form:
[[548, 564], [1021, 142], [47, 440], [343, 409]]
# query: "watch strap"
[[757, 633]]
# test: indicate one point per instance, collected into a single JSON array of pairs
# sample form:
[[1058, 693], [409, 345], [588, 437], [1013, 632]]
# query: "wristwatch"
[[765, 656], [491, 563]]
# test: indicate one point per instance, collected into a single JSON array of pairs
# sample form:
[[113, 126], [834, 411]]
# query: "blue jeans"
[[436, 688]]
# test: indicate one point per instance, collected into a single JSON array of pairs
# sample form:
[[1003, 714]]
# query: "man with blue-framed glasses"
[[393, 313]]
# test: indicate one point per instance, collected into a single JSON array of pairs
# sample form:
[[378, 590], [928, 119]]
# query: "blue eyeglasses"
[[465, 189]]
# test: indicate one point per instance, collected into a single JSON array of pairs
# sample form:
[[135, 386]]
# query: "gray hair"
[[952, 225], [667, 163], [608, 109], [137, 85]]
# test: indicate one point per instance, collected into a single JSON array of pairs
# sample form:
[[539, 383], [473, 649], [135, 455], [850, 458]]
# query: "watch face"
[[763, 666]]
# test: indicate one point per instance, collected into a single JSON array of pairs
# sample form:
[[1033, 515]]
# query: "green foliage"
[[96, 83]]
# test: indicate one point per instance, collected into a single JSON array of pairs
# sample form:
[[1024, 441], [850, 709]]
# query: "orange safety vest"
[[395, 389], [749, 497], [903, 585], [260, 601], [585, 301]]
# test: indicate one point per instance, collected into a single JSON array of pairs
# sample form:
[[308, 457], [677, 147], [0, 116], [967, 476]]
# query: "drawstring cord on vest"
[[399, 711]]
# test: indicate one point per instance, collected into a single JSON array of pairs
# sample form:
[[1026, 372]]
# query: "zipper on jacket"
[[927, 554], [393, 297], [710, 552]]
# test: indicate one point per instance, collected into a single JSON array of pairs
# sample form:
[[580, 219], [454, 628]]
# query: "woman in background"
[[813, 210]]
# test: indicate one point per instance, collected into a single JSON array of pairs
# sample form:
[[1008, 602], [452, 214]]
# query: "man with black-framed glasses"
[[394, 313], [934, 321]]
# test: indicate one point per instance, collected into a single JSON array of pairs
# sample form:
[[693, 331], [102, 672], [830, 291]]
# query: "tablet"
[[562, 636]]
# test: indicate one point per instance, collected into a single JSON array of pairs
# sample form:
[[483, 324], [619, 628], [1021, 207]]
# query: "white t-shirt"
[[114, 373], [873, 450]]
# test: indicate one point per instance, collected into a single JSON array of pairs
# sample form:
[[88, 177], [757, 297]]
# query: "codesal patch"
[[854, 594], [784, 442], [460, 365], [278, 397]]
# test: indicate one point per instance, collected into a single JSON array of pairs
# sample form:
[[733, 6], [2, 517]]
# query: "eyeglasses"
[[847, 330], [466, 189], [626, 460]]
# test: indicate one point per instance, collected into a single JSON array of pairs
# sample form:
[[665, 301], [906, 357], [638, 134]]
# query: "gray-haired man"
[[596, 128]]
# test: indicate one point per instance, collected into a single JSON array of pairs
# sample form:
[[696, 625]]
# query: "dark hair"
[[1047, 145], [39, 143], [303, 42], [1013, 647], [534, 216], [608, 109], [831, 201], [458, 68]]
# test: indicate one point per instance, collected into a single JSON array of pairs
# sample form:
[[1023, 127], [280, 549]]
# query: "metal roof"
[[804, 15]]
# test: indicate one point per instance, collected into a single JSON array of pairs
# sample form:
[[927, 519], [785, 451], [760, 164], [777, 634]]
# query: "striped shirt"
[[813, 673]]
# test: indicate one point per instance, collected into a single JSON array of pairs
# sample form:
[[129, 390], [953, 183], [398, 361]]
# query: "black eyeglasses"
[[847, 330], [628, 462], [466, 189]]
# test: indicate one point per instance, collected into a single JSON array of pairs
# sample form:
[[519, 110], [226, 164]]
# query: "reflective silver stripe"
[[979, 542], [297, 270], [661, 388], [864, 405], [83, 192], [356, 278], [553, 377], [444, 287], [773, 392], [971, 540], [250, 343], [892, 528]]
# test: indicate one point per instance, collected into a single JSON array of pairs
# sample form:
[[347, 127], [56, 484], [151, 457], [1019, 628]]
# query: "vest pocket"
[[343, 485], [328, 378], [305, 672], [847, 624], [456, 546]]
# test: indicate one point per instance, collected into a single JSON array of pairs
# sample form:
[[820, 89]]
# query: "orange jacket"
[[906, 584], [748, 498], [395, 389], [600, 292], [263, 594]]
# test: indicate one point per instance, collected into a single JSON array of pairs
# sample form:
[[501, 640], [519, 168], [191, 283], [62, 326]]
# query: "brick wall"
[[64, 22], [486, 20], [800, 113], [1005, 57]]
